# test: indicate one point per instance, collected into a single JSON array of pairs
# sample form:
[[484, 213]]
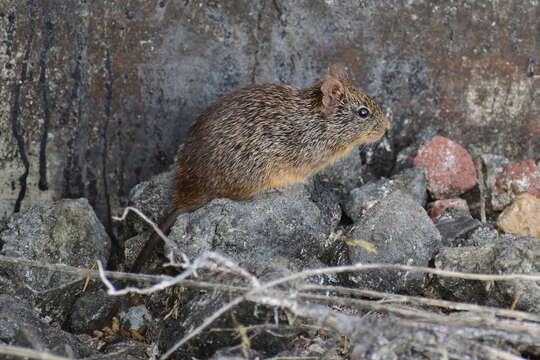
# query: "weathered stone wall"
[[95, 96]]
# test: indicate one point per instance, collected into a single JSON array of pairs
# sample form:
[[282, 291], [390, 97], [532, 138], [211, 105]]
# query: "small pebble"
[[454, 224], [135, 318], [440, 205], [516, 178], [522, 216], [450, 169]]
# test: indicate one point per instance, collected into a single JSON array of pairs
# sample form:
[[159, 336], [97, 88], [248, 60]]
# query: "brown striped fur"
[[270, 135]]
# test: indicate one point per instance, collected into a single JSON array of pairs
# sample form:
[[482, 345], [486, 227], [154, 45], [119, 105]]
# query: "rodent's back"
[[228, 150], [263, 136]]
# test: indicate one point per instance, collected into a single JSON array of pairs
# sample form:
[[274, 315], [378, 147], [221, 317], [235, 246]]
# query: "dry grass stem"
[[482, 189], [28, 353], [417, 300]]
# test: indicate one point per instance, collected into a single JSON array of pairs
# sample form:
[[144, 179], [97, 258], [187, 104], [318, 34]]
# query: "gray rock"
[[135, 318], [228, 357], [454, 225], [126, 350], [397, 230], [517, 255], [468, 259], [134, 245], [293, 223], [21, 326], [155, 198], [411, 181], [66, 232], [388, 338], [7, 285], [92, 311], [482, 235], [511, 254], [201, 306], [271, 235]]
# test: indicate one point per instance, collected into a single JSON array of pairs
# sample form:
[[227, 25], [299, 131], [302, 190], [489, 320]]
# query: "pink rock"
[[449, 167], [440, 205], [516, 178]]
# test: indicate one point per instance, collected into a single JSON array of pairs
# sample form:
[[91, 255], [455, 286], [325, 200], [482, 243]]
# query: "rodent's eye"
[[363, 112]]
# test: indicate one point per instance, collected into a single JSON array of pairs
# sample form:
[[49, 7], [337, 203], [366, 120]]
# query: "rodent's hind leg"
[[191, 195]]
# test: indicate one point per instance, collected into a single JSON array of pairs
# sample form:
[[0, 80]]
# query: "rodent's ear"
[[338, 71], [331, 89]]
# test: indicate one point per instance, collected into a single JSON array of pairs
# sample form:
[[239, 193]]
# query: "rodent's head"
[[346, 107]]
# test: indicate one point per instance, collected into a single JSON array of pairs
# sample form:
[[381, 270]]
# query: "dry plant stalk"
[[23, 352], [482, 189]]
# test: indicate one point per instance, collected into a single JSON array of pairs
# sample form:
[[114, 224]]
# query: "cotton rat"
[[264, 136]]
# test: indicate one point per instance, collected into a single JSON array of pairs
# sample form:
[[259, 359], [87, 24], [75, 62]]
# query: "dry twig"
[[28, 353], [417, 300], [482, 189]]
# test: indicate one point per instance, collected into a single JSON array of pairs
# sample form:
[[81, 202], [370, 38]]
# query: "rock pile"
[[411, 218]]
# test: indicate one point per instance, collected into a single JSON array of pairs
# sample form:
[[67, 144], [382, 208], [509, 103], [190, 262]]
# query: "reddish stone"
[[440, 205], [449, 168], [516, 178]]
